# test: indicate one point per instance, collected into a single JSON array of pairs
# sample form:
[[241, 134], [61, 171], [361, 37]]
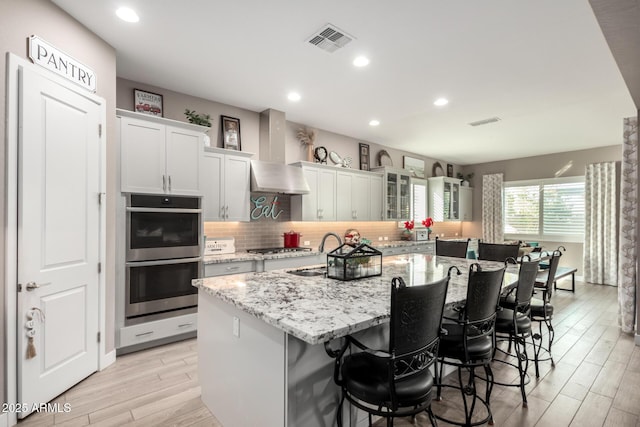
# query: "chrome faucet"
[[324, 238]]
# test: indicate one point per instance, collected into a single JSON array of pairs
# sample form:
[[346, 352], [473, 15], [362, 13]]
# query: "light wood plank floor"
[[596, 381]]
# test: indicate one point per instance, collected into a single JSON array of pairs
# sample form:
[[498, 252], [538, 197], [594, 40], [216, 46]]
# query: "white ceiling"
[[542, 66]]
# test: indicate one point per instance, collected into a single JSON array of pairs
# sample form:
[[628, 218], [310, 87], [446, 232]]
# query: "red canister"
[[292, 239]]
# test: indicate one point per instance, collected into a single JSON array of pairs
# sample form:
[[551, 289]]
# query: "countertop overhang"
[[318, 309]]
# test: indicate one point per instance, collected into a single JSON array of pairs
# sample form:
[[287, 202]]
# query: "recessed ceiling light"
[[361, 61], [294, 96], [374, 123], [440, 102], [127, 14]]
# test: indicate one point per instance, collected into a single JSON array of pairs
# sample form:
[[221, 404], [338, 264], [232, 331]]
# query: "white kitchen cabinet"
[[444, 200], [466, 203], [226, 268], [226, 185], [159, 156], [353, 196], [157, 329], [375, 196], [320, 203], [397, 193]]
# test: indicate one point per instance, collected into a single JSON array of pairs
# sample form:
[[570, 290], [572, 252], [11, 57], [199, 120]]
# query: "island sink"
[[309, 272]]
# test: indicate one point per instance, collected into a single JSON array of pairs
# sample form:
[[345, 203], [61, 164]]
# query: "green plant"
[[197, 119], [466, 177]]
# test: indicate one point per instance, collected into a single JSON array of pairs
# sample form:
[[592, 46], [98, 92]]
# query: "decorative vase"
[[309, 152], [406, 235]]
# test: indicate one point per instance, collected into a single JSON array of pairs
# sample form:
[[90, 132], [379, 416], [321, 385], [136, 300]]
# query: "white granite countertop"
[[318, 309], [246, 256]]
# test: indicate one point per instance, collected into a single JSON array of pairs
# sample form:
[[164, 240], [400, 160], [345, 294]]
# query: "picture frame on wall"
[[365, 164], [449, 170], [230, 127], [147, 102]]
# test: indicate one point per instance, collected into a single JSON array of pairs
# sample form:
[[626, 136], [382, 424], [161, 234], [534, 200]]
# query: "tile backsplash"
[[270, 234]]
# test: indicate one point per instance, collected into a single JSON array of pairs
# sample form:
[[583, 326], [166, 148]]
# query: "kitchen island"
[[261, 338]]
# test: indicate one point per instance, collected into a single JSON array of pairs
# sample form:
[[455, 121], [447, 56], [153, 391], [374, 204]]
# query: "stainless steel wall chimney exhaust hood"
[[268, 177], [270, 174]]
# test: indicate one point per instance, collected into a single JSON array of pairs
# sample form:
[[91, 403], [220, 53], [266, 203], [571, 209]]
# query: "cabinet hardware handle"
[[233, 268], [169, 182], [164, 183], [184, 325], [144, 333]]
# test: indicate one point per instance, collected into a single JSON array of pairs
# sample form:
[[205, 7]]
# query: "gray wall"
[[539, 167], [20, 19], [174, 104]]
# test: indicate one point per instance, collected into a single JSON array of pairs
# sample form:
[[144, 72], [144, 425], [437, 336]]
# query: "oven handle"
[[162, 262], [164, 210]]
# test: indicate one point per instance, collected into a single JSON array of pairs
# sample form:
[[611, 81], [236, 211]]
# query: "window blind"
[[563, 208], [522, 209]]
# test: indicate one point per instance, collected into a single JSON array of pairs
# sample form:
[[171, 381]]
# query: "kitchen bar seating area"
[[593, 382]]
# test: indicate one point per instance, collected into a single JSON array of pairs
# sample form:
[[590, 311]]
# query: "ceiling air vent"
[[330, 38], [485, 121]]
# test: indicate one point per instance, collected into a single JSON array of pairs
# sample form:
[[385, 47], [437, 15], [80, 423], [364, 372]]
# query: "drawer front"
[[223, 269], [144, 332]]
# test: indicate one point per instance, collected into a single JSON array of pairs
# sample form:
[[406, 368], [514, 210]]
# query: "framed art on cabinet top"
[[147, 102], [230, 133]]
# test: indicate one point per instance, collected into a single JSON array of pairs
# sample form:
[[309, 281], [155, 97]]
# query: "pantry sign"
[[51, 58]]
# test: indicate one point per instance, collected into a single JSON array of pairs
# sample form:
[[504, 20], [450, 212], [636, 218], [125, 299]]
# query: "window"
[[549, 209], [418, 201]]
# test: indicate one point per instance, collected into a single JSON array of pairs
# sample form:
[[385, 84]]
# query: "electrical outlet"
[[236, 327], [380, 238], [386, 238], [307, 243]]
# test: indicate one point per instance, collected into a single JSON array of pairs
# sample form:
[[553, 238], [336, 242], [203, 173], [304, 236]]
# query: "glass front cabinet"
[[397, 193], [444, 203]]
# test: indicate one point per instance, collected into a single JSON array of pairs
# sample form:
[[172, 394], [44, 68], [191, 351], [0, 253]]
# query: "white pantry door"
[[58, 237]]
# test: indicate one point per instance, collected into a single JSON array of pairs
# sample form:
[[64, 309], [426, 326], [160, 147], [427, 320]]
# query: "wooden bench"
[[560, 273]]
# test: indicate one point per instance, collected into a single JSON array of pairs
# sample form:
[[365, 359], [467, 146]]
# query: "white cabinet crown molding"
[[161, 120]]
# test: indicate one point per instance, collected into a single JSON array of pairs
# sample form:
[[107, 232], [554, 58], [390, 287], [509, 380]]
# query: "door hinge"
[[100, 130], [98, 336], [19, 287], [99, 267]]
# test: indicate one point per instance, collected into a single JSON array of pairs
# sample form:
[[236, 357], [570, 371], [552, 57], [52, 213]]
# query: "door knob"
[[31, 286]]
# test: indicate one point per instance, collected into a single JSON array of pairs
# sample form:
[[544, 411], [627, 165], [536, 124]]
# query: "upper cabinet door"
[[183, 161], [360, 203], [376, 191], [212, 179], [327, 195], [143, 156], [237, 188], [344, 196]]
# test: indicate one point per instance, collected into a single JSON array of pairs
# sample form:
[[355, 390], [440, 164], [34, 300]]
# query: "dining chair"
[[513, 323], [497, 251], [542, 310], [396, 382], [452, 248], [468, 341]]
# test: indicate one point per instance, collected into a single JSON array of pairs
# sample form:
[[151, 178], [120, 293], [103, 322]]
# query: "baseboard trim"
[[108, 359], [4, 420]]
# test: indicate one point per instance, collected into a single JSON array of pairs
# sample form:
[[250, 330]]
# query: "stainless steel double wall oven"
[[163, 254]]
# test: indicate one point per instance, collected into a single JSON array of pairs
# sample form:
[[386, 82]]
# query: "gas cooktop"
[[276, 250]]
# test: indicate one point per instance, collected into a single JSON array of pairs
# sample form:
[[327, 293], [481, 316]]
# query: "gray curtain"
[[627, 273], [492, 221], [600, 237]]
